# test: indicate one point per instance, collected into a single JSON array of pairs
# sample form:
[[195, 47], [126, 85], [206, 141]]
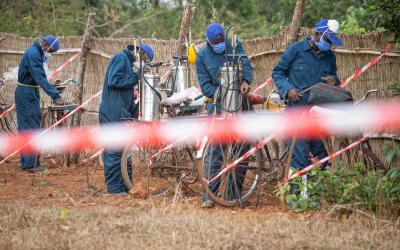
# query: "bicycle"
[[170, 166], [362, 153], [8, 121], [165, 166], [55, 113]]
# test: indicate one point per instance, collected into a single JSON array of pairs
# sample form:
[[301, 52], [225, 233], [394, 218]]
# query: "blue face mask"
[[219, 48], [322, 44]]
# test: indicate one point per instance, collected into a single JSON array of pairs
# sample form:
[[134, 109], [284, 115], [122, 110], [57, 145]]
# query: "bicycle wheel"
[[49, 118], [378, 145], [359, 154], [189, 165], [273, 168], [8, 123], [159, 178], [46, 121], [234, 186]]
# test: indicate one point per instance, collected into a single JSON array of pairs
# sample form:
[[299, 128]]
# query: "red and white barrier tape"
[[247, 126], [58, 70], [259, 145], [164, 149], [92, 157], [22, 147], [7, 111], [365, 67], [329, 157], [51, 76]]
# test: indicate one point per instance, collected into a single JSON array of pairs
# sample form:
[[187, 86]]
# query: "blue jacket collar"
[[38, 47], [129, 55], [306, 43]]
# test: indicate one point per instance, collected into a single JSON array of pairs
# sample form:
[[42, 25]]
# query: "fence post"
[[185, 24], [85, 48], [296, 21]]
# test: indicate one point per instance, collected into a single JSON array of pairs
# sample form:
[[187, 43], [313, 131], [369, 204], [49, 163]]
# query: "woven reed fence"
[[266, 52]]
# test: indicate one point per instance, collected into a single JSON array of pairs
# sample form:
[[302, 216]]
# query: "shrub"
[[363, 189]]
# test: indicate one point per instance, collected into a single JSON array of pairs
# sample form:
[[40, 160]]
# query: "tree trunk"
[[85, 48], [184, 30], [296, 21], [156, 3]]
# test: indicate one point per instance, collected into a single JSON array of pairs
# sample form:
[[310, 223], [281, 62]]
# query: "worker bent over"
[[117, 104], [31, 76]]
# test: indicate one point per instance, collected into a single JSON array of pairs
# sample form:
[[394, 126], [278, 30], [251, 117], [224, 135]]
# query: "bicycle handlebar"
[[365, 96]]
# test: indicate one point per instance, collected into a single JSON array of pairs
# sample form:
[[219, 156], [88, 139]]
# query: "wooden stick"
[[296, 21], [184, 30], [86, 44]]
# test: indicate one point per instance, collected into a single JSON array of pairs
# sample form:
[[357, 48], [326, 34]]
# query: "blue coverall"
[[208, 65], [299, 68], [116, 104], [31, 75]]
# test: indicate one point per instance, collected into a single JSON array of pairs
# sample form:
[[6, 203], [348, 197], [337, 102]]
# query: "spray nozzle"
[[136, 49], [234, 38]]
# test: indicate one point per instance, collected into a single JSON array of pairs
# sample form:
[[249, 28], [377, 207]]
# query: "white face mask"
[[46, 55], [136, 66]]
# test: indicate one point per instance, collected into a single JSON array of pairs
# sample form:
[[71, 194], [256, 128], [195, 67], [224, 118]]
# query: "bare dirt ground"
[[59, 210]]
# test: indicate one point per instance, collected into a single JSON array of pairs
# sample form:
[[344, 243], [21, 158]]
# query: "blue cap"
[[215, 33], [52, 41], [148, 50], [330, 29]]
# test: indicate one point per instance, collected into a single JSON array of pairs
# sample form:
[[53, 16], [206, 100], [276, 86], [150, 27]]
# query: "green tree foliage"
[[351, 25], [161, 19], [384, 13]]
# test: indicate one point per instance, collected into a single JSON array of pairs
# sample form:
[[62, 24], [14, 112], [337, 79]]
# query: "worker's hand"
[[245, 88], [136, 66], [59, 101], [294, 95], [329, 80], [136, 70]]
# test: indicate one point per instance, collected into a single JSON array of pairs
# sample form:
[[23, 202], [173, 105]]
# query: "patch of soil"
[[83, 186]]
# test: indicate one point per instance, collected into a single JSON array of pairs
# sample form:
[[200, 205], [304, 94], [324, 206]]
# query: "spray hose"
[[176, 75], [151, 87]]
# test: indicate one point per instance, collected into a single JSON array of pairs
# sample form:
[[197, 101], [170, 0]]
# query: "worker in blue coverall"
[[304, 64], [117, 104], [31, 76], [209, 61]]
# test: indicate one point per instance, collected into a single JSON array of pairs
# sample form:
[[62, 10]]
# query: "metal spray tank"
[[179, 76], [150, 97], [149, 90], [230, 88], [231, 75]]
